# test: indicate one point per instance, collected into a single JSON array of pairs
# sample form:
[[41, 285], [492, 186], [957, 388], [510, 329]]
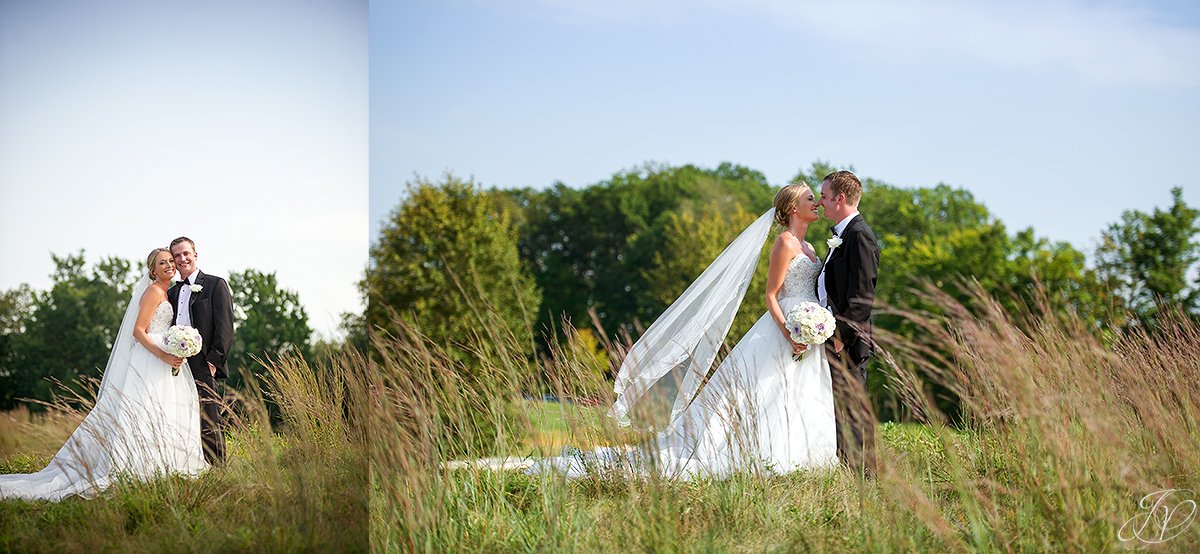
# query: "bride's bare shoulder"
[[153, 295], [786, 242]]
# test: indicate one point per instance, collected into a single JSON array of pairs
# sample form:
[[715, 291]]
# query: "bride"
[[146, 421], [768, 407]]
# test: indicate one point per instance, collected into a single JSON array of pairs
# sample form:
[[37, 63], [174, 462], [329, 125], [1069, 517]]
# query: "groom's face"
[[185, 258], [828, 203]]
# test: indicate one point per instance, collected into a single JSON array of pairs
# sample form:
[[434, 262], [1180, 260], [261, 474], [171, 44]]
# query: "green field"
[[1061, 434], [300, 487]]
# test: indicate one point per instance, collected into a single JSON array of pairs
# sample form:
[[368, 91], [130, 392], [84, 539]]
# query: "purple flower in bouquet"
[[183, 341], [809, 323]]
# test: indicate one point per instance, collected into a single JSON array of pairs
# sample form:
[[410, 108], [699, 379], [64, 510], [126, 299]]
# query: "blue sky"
[[241, 124], [1057, 115], [115, 115]]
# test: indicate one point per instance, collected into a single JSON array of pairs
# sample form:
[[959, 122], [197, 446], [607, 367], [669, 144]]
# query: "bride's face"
[[164, 267], [806, 207]]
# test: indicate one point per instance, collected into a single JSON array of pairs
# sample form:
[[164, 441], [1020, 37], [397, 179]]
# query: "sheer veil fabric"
[[115, 372], [145, 422], [683, 342], [759, 410]]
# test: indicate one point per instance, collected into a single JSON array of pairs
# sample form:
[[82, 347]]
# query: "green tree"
[[16, 308], [447, 263], [940, 236], [446, 260], [691, 241], [70, 328], [589, 248], [1062, 271], [627, 246], [1148, 257], [269, 322]]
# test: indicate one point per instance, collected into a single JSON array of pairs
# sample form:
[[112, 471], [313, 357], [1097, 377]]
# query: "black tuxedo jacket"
[[212, 315], [850, 275]]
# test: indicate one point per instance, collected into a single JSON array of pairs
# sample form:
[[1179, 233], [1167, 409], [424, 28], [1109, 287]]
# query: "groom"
[[847, 286], [203, 301]]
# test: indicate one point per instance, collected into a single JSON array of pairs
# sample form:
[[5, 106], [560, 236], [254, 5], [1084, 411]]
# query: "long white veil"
[[668, 364], [115, 372], [145, 422]]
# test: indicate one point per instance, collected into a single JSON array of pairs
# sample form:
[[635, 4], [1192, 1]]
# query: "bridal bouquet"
[[809, 323], [182, 341]]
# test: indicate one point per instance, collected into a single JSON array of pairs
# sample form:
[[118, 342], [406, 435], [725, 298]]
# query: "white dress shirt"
[[822, 294], [182, 308]]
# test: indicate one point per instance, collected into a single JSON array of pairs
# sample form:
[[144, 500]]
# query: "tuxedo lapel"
[[835, 267], [192, 298], [173, 298], [847, 233]]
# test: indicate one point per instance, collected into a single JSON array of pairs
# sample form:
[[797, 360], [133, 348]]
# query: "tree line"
[[62, 336], [609, 257]]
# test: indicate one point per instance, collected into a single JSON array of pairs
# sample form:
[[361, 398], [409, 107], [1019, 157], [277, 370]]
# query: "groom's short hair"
[[182, 240], [844, 182]]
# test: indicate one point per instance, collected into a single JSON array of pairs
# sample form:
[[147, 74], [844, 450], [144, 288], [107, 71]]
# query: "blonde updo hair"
[[150, 261], [786, 199]]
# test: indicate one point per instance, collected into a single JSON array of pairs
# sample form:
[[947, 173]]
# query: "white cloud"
[[585, 11], [1106, 42]]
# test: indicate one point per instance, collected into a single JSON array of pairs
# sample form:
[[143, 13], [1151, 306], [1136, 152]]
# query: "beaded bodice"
[[800, 283], [161, 320]]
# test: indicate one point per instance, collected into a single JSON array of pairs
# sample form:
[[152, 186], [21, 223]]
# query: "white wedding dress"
[[145, 423], [760, 411]]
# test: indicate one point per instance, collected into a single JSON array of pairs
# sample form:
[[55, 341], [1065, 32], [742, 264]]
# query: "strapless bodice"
[[161, 320], [800, 283]]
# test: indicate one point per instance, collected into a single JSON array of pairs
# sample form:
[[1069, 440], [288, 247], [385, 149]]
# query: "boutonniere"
[[834, 242], [195, 288]]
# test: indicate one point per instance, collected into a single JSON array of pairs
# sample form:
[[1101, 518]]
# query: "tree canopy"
[[1148, 258], [447, 261], [63, 336], [270, 322], [625, 247]]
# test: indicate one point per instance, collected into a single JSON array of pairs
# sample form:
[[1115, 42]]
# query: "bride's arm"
[[146, 307], [781, 253]]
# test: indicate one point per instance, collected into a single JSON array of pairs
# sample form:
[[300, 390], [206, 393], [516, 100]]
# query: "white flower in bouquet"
[[183, 341], [809, 323]]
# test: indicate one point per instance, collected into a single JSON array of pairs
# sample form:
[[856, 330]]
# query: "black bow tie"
[[834, 231], [184, 283]]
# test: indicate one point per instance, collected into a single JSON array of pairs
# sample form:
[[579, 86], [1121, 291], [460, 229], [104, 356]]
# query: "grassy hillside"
[[1060, 437], [301, 487]]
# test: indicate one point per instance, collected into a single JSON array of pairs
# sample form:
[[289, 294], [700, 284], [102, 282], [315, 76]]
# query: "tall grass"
[[299, 487], [1059, 438]]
